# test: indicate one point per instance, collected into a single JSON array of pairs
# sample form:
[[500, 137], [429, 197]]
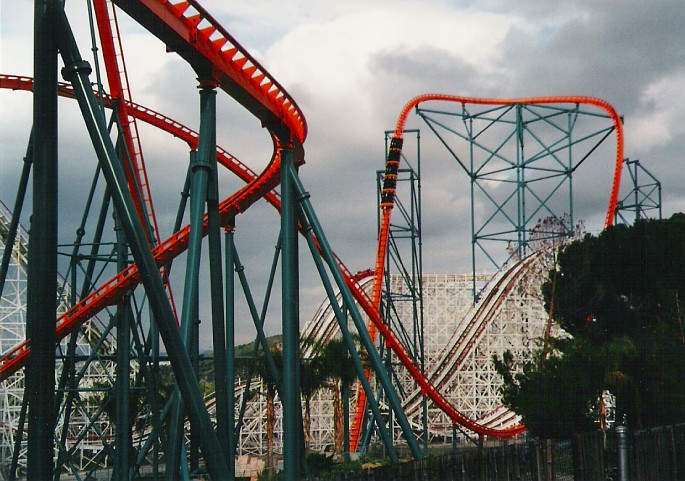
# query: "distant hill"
[[206, 364]]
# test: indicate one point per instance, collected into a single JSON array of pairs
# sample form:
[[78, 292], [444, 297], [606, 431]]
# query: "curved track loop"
[[188, 29], [392, 163], [425, 385], [388, 199], [111, 291], [115, 65], [219, 60], [158, 120], [324, 327]]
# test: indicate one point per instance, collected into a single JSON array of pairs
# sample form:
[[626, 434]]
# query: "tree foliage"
[[338, 372], [620, 296]]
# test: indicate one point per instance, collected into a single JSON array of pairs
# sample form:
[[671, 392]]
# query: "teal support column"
[[21, 422], [472, 192], [219, 330], [310, 224], [201, 170], [521, 222], [123, 384], [155, 401], [292, 411], [194, 353], [77, 72], [374, 358], [229, 296], [258, 320], [16, 212], [41, 305]]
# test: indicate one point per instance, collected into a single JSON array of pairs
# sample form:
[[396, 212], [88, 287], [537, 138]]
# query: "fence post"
[[622, 434], [538, 468], [674, 452], [549, 458]]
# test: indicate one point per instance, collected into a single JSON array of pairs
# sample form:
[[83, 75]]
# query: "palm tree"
[[270, 386], [340, 373], [312, 378]]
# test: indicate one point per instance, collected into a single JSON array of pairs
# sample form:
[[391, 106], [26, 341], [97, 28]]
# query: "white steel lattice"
[[513, 322], [83, 443], [460, 337]]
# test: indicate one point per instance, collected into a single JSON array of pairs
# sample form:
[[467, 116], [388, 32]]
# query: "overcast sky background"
[[351, 66]]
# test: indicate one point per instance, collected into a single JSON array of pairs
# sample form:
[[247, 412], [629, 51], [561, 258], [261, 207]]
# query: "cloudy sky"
[[351, 66]]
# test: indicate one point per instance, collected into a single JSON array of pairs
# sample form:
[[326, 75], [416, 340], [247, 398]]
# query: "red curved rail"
[[191, 32], [110, 292], [156, 119], [388, 199], [115, 66]]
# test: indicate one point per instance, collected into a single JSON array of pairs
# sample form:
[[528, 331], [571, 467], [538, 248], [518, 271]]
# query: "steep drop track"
[[387, 204], [187, 29]]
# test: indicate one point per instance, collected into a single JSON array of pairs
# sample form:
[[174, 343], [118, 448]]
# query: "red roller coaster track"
[[388, 197], [111, 291], [190, 31]]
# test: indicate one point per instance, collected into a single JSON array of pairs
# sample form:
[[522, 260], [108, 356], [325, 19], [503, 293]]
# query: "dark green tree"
[[619, 295], [312, 378], [340, 374]]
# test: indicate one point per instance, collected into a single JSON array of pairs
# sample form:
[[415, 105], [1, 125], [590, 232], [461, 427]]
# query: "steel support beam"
[[77, 72], [122, 443], [292, 410], [201, 168], [374, 357], [220, 331], [404, 259], [41, 305], [16, 212], [310, 224], [229, 288]]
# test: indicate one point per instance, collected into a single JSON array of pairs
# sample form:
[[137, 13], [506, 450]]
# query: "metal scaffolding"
[[404, 263], [644, 197], [520, 160], [111, 381]]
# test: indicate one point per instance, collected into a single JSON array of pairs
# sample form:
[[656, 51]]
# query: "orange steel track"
[[112, 290], [192, 33], [185, 27], [115, 66], [387, 203]]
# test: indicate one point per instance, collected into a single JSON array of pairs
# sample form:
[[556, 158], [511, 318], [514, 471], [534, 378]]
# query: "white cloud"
[[662, 116], [333, 56]]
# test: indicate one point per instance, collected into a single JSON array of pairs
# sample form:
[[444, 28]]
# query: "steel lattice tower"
[[402, 286], [644, 196], [520, 159]]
